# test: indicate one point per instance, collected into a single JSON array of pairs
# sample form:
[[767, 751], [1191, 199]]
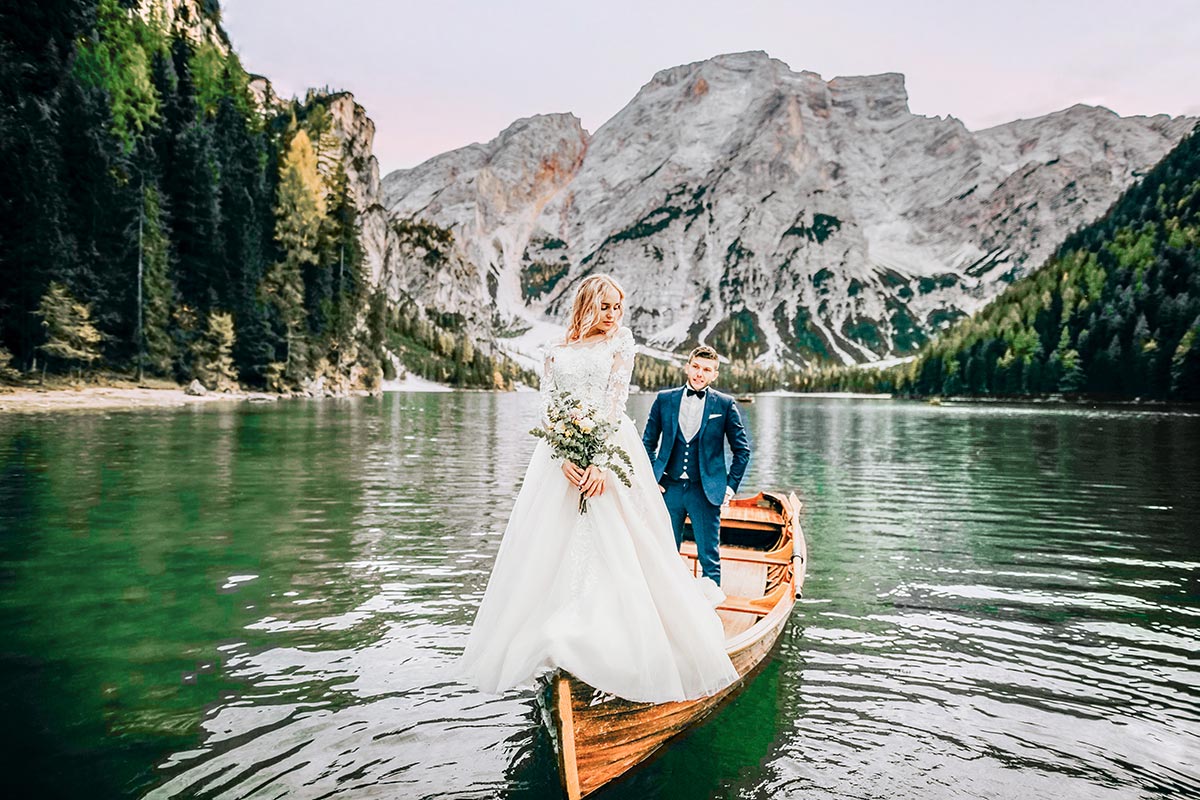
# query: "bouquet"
[[579, 434]]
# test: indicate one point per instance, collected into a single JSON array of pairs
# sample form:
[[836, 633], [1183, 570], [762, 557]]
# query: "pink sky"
[[436, 76]]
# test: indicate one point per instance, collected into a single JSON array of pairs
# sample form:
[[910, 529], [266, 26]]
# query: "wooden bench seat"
[[739, 555], [759, 606]]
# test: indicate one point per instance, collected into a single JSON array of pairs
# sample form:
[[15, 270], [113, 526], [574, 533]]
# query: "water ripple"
[[1003, 602]]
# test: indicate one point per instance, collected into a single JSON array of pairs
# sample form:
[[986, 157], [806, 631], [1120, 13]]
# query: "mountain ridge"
[[691, 192]]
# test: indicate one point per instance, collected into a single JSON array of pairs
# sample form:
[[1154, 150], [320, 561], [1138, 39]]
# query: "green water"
[[262, 600]]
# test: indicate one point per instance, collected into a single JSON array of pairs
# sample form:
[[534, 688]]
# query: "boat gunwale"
[[787, 603], [765, 623]]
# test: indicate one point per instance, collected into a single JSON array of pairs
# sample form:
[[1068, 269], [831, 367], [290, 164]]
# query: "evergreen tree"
[[35, 236], [192, 186], [343, 254], [115, 60], [157, 289], [1185, 365], [212, 354], [7, 373], [38, 44], [327, 148], [70, 337], [246, 206], [300, 211], [100, 208], [127, 148]]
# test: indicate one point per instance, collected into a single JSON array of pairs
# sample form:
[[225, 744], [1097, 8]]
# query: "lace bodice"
[[597, 373]]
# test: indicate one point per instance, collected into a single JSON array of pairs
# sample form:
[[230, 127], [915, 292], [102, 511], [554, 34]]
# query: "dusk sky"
[[436, 76]]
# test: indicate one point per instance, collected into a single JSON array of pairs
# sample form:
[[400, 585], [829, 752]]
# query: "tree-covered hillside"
[[1115, 313], [153, 213]]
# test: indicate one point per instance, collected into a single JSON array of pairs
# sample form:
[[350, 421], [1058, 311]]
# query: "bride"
[[603, 595]]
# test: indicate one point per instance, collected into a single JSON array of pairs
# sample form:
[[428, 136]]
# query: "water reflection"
[[264, 601]]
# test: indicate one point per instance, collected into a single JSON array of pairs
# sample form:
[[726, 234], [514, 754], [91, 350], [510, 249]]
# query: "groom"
[[685, 438]]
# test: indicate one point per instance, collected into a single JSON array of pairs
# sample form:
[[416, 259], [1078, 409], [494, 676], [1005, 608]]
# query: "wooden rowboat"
[[598, 737]]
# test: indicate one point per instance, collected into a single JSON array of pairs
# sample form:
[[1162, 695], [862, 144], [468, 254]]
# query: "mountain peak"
[[748, 62], [540, 125], [754, 72], [879, 96]]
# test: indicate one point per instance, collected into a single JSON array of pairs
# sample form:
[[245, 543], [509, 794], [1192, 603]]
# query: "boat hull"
[[599, 737]]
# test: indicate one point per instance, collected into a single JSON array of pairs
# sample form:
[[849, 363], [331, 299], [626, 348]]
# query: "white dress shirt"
[[691, 411]]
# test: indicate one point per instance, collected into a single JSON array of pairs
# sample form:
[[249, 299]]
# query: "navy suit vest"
[[685, 457]]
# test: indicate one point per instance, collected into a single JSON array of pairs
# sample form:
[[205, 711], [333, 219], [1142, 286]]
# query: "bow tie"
[[694, 393]]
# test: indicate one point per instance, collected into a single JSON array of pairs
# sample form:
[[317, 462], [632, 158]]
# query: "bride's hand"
[[593, 482], [573, 472]]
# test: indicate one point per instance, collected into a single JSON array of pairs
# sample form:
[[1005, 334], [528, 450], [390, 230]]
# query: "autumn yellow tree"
[[70, 336], [299, 213]]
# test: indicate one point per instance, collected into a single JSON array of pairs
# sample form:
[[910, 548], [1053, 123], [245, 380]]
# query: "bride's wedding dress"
[[603, 595]]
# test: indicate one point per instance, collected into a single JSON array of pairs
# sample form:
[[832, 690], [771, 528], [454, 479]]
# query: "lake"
[[261, 600]]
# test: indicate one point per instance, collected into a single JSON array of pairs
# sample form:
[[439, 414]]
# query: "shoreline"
[[101, 397], [119, 394], [93, 397], [819, 395]]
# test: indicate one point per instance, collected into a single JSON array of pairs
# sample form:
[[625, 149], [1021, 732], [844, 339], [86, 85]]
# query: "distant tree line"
[[740, 376], [436, 347]]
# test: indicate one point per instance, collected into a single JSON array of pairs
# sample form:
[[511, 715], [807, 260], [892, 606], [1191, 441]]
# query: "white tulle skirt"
[[603, 595]]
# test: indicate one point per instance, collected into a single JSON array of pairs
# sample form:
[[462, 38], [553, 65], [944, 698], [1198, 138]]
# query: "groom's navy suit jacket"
[[720, 421]]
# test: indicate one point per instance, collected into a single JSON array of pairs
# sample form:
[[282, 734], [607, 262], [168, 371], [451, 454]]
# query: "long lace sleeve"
[[617, 392], [547, 385]]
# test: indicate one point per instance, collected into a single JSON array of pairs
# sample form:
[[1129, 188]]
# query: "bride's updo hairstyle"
[[585, 313]]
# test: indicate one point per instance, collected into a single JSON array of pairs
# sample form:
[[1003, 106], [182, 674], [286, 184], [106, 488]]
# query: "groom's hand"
[[574, 473]]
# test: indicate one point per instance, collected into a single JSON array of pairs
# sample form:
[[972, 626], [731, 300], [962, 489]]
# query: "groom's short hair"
[[704, 351]]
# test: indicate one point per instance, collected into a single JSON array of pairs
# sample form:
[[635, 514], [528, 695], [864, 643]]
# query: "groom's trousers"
[[687, 499]]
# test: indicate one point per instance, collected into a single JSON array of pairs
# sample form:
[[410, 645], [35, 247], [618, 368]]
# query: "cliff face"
[[487, 201], [356, 133], [194, 19], [772, 213]]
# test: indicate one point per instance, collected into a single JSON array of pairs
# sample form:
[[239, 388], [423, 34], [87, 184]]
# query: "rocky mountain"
[[772, 213], [483, 203]]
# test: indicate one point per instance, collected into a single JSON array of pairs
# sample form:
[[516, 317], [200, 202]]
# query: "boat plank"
[[613, 750], [568, 763]]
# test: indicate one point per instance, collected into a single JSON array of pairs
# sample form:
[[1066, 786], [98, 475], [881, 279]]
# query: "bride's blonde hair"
[[585, 312]]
